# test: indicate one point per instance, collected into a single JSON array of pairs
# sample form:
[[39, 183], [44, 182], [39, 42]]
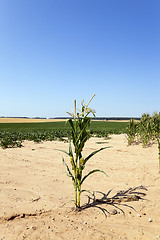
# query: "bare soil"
[[36, 194]]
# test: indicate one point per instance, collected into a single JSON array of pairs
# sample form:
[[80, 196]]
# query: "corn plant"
[[131, 132], [159, 152], [156, 130], [79, 123], [145, 129], [156, 125]]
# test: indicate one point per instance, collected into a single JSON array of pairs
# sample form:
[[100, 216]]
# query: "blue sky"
[[55, 51]]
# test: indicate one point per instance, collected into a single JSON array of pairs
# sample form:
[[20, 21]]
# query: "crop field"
[[13, 134], [117, 188]]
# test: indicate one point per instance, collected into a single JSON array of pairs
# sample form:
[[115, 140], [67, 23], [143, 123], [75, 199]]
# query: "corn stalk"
[[80, 134], [131, 131]]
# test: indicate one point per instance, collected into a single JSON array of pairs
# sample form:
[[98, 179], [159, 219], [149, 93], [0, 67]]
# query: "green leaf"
[[71, 124], [81, 145], [69, 172], [87, 191], [93, 171], [93, 153], [70, 150], [82, 130], [73, 130], [63, 151]]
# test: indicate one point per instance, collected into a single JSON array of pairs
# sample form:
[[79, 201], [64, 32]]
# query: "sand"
[[36, 194]]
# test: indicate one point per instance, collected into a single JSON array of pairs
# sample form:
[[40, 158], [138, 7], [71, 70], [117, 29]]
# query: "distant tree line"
[[106, 118]]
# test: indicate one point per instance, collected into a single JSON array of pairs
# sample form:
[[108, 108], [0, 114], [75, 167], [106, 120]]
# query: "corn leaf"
[[81, 145], [87, 191], [69, 174], [82, 130], [93, 171], [93, 153], [70, 150], [63, 151], [73, 130]]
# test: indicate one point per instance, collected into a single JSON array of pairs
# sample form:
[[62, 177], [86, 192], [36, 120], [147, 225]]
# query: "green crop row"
[[15, 138], [145, 131], [13, 134]]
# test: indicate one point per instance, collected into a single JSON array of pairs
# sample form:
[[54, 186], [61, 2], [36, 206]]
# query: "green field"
[[110, 127], [12, 134]]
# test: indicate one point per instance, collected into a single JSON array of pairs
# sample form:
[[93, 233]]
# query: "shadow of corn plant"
[[119, 200]]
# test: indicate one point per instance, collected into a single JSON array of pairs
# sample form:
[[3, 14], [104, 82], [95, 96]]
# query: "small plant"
[[79, 123], [10, 140], [156, 131], [145, 129], [156, 125], [131, 131]]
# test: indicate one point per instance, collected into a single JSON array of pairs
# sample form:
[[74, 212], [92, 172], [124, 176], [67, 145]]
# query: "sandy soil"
[[34, 189]]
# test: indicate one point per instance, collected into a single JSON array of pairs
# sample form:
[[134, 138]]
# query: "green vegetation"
[[146, 131], [103, 128], [13, 134], [80, 135], [132, 131]]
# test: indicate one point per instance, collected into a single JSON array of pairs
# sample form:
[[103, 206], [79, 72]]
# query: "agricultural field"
[[37, 198], [13, 134], [36, 194]]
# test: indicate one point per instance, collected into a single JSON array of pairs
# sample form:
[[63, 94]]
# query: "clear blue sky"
[[55, 51]]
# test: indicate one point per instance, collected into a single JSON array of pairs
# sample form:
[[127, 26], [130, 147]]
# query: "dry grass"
[[32, 120], [28, 120]]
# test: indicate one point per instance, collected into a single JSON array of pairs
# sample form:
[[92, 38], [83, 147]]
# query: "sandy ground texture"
[[35, 193]]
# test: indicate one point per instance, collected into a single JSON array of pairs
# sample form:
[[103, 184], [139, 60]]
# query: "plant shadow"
[[119, 200]]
